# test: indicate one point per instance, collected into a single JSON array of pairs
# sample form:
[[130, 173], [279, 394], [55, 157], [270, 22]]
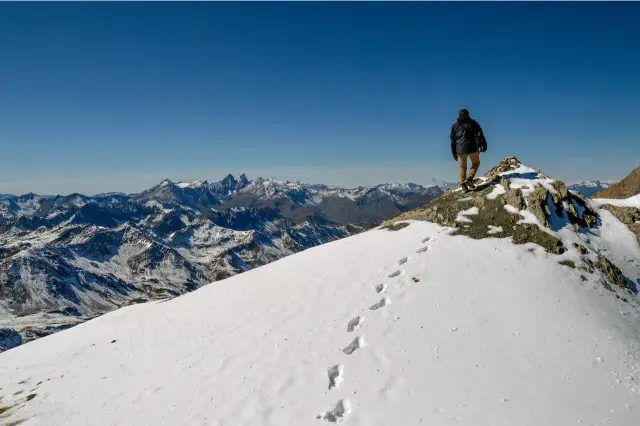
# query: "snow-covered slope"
[[625, 202], [422, 325], [445, 330]]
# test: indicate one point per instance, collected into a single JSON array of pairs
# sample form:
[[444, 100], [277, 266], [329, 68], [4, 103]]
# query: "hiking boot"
[[465, 187], [470, 185]]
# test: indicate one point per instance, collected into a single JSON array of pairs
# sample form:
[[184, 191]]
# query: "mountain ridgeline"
[[66, 259]]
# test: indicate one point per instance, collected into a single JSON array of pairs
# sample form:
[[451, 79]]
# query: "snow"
[[491, 334], [526, 179], [494, 229], [497, 191], [614, 240], [625, 202], [28, 207], [462, 216], [526, 217], [193, 184], [511, 209]]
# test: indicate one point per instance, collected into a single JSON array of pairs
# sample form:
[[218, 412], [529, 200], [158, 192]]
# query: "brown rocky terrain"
[[626, 188]]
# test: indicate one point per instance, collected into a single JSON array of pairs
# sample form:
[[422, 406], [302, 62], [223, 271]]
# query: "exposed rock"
[[507, 164], [445, 209], [612, 274], [538, 205], [395, 226], [569, 263], [561, 188], [505, 182], [514, 197], [581, 249]]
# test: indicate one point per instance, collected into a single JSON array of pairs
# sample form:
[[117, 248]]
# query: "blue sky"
[[116, 96]]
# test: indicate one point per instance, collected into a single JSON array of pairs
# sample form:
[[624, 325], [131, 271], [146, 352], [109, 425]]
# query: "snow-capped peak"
[[590, 187], [192, 184]]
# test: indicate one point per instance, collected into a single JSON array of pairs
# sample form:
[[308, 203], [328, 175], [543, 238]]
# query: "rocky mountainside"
[[626, 188], [65, 259]]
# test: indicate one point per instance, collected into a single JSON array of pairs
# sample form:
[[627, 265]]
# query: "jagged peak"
[[229, 178], [506, 165]]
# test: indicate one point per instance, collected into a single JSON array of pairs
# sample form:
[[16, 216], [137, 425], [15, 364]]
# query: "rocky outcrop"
[[555, 208], [613, 275], [513, 201]]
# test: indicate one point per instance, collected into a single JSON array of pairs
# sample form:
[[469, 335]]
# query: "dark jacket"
[[466, 136]]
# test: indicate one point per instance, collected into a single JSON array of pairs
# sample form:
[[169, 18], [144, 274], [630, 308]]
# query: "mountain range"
[[589, 187], [66, 259]]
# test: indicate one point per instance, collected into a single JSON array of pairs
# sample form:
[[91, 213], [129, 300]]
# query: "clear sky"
[[116, 96]]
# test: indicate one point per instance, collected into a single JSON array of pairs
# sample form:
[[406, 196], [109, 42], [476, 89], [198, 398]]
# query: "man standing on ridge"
[[467, 140]]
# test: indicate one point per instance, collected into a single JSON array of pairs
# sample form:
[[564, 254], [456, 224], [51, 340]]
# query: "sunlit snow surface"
[[399, 328]]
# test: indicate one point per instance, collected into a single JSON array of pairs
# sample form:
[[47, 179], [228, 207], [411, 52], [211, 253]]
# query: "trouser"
[[475, 164]]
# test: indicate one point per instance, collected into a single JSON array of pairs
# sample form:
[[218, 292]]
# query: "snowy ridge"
[[625, 202], [416, 326]]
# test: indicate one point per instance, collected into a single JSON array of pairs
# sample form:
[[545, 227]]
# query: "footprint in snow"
[[354, 323], [426, 240], [423, 249], [356, 344], [403, 261], [339, 412], [395, 274], [381, 304], [380, 288], [335, 375]]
